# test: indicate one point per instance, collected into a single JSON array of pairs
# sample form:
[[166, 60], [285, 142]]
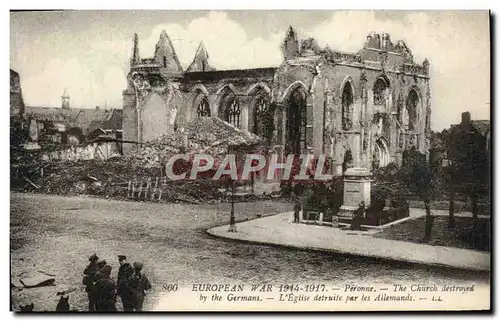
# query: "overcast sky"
[[88, 52]]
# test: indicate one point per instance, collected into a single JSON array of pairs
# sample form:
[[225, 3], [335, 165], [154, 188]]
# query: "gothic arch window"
[[203, 108], [380, 91], [347, 102], [299, 130], [412, 103], [232, 113], [164, 62], [261, 114]]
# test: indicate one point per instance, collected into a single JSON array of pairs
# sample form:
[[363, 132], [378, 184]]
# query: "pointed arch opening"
[[380, 91], [347, 106], [262, 115], [200, 104], [203, 108], [412, 103], [229, 105], [232, 112], [380, 156], [297, 130]]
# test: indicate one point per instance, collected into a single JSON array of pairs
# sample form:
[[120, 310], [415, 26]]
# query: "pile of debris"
[[85, 177], [209, 135], [113, 177], [109, 179]]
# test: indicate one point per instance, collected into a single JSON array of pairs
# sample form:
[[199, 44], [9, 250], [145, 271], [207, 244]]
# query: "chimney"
[[65, 100], [466, 118]]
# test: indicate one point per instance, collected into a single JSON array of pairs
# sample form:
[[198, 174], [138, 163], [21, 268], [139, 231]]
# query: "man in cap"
[[89, 277], [139, 284], [101, 264], [105, 291], [124, 273], [91, 267]]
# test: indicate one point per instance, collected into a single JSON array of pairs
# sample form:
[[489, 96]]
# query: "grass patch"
[[460, 206], [465, 234]]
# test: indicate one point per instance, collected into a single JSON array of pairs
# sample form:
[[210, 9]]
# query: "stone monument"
[[357, 188]]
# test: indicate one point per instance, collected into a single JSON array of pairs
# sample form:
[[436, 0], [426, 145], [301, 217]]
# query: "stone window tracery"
[[203, 109], [233, 112], [380, 92], [261, 116]]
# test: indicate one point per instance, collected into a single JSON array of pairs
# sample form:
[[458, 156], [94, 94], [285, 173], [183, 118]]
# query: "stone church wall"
[[322, 74]]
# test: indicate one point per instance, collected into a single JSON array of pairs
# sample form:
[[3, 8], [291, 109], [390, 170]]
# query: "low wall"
[[100, 151], [371, 218]]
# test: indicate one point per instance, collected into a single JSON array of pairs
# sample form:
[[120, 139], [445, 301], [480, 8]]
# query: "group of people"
[[131, 285]]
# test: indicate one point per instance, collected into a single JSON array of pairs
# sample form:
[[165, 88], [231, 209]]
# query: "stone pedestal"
[[357, 188]]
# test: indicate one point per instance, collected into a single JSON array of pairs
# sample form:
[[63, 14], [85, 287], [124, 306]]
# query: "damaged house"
[[71, 126]]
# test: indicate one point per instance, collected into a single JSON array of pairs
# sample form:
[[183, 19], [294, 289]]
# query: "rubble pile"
[[208, 135], [110, 179], [93, 177], [113, 177]]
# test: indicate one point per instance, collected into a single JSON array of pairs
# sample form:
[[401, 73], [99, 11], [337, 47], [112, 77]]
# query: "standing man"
[[296, 208], [124, 291], [358, 216], [139, 284], [89, 277], [105, 291]]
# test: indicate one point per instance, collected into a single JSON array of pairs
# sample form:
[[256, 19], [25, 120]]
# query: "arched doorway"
[[297, 121]]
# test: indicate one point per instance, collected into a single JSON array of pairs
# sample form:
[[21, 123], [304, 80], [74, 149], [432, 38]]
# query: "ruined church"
[[361, 109]]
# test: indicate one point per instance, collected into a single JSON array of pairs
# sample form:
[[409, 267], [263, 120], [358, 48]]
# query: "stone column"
[[244, 108], [356, 142], [339, 155], [214, 109], [369, 116], [393, 138]]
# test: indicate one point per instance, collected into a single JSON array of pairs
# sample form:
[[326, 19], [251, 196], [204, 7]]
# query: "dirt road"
[[56, 235]]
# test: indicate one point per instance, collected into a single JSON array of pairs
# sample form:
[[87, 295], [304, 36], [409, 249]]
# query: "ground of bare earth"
[[463, 235], [56, 234]]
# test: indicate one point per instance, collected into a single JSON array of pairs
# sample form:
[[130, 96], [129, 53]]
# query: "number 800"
[[169, 287]]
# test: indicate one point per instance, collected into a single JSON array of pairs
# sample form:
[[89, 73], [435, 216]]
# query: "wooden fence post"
[[140, 190], [155, 189]]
